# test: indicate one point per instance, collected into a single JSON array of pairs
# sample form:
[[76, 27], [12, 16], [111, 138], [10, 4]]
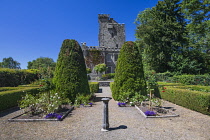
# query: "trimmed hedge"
[[11, 97], [94, 87], [195, 88], [7, 88], [194, 100], [108, 76], [170, 84], [192, 79], [70, 75], [14, 77], [129, 74]]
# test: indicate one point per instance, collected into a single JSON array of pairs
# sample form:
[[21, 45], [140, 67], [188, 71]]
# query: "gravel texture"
[[126, 123]]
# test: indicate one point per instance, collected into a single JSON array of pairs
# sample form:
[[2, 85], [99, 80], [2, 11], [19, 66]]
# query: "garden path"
[[126, 123]]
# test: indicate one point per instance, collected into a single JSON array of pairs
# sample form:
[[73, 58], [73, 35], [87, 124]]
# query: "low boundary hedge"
[[194, 100], [192, 79], [94, 87], [13, 77], [10, 98]]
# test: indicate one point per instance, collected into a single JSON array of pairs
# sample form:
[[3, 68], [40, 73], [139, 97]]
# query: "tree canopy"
[[45, 65], [10, 63], [171, 33], [100, 68]]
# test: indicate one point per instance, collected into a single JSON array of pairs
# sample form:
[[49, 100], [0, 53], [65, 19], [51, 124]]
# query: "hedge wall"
[[194, 100], [13, 77], [192, 79], [94, 87], [10, 97]]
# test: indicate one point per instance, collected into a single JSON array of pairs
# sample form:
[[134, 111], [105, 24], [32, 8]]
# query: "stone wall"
[[111, 38]]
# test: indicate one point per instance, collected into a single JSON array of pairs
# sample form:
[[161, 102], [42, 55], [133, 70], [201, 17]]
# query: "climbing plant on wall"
[[94, 57]]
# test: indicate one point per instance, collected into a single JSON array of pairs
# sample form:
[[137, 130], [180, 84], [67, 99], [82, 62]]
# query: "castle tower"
[[111, 38], [111, 34]]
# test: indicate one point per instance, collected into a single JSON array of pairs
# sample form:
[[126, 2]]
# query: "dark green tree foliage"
[[175, 36], [197, 14], [160, 31], [70, 75], [129, 75], [10, 63]]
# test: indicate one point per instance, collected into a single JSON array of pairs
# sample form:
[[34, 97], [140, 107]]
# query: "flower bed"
[[28, 117], [156, 112]]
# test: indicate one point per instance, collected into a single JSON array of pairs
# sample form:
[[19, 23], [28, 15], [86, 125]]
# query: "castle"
[[111, 38]]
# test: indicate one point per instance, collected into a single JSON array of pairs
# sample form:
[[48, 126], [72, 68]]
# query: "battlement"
[[103, 16], [111, 33]]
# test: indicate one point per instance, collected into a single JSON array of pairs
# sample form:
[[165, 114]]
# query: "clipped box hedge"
[[194, 100], [10, 98], [14, 77], [94, 87], [192, 79]]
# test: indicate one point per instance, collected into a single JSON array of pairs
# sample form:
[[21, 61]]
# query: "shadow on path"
[[8, 111], [100, 90], [119, 127]]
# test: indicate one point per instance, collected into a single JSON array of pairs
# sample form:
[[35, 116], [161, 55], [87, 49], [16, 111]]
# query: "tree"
[[70, 75], [10, 63], [45, 65], [197, 15], [160, 31], [129, 74], [100, 68], [190, 62]]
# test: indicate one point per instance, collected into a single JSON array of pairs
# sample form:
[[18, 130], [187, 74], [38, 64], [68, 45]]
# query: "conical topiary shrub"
[[70, 75], [129, 74]]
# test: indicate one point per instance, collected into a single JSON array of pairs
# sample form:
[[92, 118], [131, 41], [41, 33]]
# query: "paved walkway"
[[126, 123]]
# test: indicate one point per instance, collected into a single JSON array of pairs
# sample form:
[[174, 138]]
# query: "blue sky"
[[30, 29]]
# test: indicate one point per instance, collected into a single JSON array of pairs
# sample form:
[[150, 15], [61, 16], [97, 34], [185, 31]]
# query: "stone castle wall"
[[111, 38]]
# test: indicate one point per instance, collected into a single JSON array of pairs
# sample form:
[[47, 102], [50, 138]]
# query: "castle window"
[[112, 34], [117, 45], [108, 58], [115, 57], [109, 69]]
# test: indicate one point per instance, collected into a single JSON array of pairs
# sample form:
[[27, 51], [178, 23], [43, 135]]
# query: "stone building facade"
[[111, 38]]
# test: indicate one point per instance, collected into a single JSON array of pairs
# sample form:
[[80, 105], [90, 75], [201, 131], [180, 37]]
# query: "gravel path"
[[126, 123]]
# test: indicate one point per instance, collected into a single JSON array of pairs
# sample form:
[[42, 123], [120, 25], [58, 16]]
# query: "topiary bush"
[[70, 75], [129, 74]]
